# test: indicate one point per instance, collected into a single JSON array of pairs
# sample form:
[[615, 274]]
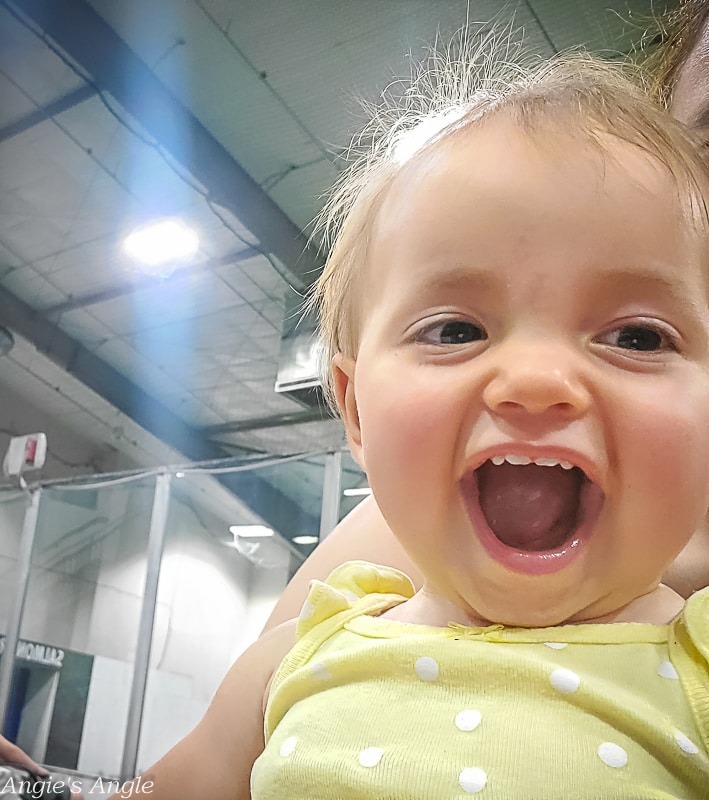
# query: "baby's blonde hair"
[[575, 93]]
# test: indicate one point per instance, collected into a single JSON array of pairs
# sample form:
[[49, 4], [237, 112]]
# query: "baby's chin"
[[497, 606]]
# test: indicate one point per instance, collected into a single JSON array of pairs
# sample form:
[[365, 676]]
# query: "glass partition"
[[215, 591], [12, 514], [232, 540], [294, 488], [69, 697], [354, 484]]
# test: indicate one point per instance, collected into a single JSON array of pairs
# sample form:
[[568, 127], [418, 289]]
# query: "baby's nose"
[[536, 378]]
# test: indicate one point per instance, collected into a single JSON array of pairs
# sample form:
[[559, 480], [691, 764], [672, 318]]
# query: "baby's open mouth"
[[533, 507]]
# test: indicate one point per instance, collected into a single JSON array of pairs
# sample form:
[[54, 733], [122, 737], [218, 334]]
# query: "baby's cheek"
[[392, 432], [404, 428], [670, 442]]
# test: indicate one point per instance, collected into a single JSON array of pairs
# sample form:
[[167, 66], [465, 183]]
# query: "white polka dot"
[[320, 671], [426, 668], [467, 720], [686, 743], [556, 645], [612, 755], [288, 746], [472, 780], [306, 611], [371, 756], [667, 670], [564, 680]]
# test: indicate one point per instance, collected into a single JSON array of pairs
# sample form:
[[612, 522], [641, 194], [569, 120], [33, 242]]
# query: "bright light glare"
[[305, 539], [161, 243], [250, 531], [364, 490], [408, 142]]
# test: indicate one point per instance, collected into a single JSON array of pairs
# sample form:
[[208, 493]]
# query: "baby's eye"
[[460, 332], [455, 331], [640, 338]]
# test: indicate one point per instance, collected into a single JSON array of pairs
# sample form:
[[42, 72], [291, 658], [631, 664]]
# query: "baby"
[[515, 316]]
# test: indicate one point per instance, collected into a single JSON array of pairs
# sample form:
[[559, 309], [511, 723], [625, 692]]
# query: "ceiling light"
[[361, 492], [250, 531], [179, 474], [161, 243], [305, 539]]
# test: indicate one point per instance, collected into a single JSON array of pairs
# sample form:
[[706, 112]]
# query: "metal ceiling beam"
[[89, 41], [44, 113], [279, 511], [317, 414]]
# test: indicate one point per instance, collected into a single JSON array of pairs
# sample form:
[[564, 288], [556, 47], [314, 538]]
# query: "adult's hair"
[[679, 31]]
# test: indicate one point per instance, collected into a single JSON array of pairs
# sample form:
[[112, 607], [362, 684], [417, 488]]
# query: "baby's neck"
[[658, 607]]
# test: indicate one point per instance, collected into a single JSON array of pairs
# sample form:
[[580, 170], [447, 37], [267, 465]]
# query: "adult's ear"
[[343, 374]]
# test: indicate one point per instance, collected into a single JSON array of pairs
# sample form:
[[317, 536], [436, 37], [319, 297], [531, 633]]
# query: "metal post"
[[156, 538], [24, 563], [331, 488]]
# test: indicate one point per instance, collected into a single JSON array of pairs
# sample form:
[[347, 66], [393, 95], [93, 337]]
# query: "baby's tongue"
[[530, 507]]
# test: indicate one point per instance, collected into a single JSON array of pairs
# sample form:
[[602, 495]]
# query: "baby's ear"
[[343, 373]]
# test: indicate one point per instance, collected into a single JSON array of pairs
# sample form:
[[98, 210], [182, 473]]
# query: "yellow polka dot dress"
[[371, 708]]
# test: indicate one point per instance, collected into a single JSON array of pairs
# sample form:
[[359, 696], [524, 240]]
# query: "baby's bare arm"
[[215, 760], [362, 534]]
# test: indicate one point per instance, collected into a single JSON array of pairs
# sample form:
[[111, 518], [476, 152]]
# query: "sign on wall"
[[36, 653]]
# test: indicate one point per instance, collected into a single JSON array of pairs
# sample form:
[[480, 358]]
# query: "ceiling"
[[233, 115]]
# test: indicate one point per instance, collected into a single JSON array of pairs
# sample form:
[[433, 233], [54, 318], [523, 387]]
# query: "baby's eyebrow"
[[632, 280], [457, 276], [632, 277], [625, 282]]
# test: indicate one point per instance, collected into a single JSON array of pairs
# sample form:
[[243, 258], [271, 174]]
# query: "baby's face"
[[530, 398]]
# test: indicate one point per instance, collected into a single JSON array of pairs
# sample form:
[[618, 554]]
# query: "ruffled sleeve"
[[689, 651], [356, 585]]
